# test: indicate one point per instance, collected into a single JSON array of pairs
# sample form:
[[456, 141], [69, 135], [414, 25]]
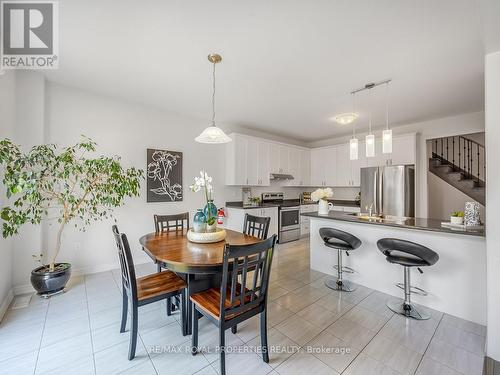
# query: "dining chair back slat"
[[177, 222], [129, 283], [240, 260], [256, 226]]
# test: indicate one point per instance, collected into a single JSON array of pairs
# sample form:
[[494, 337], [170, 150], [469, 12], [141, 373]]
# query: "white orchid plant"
[[204, 182], [323, 194]]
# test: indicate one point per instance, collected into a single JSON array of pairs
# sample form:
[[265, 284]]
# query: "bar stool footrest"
[[413, 289], [344, 269]]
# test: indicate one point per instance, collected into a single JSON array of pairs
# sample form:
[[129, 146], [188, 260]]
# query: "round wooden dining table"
[[198, 264]]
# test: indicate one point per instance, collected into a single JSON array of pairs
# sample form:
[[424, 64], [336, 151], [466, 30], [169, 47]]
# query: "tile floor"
[[313, 329]]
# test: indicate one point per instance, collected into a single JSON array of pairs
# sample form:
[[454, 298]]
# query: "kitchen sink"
[[379, 217]]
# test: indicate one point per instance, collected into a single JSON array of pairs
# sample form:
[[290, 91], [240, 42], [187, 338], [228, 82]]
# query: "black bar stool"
[[340, 241], [408, 254]]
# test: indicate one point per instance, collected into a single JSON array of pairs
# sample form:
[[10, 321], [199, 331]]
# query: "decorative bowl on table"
[[206, 237]]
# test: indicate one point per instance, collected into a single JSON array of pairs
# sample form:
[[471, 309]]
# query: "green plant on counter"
[[457, 214], [65, 185]]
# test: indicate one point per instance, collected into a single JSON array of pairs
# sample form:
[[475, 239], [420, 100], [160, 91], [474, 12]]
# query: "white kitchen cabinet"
[[343, 166], [252, 161], [305, 168], [304, 220], [236, 161], [318, 160], [330, 165], [247, 161], [279, 158], [263, 161], [403, 152], [294, 166], [235, 217], [323, 166], [349, 171], [284, 159]]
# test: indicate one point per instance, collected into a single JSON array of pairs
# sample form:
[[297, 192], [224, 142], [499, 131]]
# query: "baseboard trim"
[[6, 303], [27, 288]]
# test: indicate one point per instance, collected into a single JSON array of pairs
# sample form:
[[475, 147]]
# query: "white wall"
[[29, 130], [7, 121], [492, 78], [454, 125], [445, 199]]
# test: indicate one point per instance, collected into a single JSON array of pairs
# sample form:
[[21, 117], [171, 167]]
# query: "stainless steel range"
[[288, 216]]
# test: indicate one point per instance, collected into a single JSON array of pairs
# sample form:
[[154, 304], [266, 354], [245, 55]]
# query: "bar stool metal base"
[[410, 311], [344, 286]]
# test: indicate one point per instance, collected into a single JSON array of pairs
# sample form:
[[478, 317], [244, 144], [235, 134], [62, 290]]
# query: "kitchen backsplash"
[[234, 192]]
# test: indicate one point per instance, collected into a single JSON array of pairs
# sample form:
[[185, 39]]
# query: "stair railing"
[[462, 154]]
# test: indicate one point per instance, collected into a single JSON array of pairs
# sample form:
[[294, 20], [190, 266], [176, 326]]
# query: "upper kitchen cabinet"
[[299, 161], [403, 152], [279, 158], [247, 161], [305, 168], [323, 166], [349, 171], [236, 160]]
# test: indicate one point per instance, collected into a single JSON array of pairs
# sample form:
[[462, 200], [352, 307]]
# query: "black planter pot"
[[46, 282]]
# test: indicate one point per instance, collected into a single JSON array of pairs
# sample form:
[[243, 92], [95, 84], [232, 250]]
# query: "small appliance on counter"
[[305, 198], [288, 216]]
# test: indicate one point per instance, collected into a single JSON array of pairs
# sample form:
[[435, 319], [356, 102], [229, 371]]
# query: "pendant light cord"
[[213, 98], [387, 105], [370, 122], [353, 112]]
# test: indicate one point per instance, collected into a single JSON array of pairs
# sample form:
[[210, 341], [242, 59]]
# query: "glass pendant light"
[[370, 138], [387, 133], [213, 134], [353, 143]]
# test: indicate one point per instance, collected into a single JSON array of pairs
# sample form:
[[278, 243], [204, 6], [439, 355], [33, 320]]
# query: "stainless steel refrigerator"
[[388, 190]]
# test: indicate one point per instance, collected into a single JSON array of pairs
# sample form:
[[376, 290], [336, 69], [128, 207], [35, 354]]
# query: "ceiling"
[[288, 66]]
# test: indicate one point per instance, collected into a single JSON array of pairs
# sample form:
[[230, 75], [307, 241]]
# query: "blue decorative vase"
[[210, 207], [199, 221]]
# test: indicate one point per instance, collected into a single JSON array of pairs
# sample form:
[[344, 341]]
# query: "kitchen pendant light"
[[387, 133], [213, 134], [370, 138], [353, 143]]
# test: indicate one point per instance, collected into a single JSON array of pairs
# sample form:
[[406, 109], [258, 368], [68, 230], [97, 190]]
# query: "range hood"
[[281, 176]]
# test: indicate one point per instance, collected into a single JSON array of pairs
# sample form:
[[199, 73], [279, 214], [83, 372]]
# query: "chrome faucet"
[[370, 210]]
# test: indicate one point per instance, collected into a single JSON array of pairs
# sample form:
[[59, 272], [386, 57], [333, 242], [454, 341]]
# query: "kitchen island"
[[456, 283]]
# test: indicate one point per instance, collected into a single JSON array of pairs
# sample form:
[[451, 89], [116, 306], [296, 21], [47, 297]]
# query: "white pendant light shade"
[[353, 149], [212, 135], [370, 145], [387, 141]]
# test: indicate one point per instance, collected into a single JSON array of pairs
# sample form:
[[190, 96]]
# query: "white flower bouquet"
[[321, 194]]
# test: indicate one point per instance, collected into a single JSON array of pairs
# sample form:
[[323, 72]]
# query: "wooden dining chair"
[[166, 223], [256, 226], [175, 222], [143, 290], [234, 303]]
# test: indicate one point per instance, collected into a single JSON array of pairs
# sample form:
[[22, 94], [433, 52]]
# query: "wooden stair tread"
[[159, 283]]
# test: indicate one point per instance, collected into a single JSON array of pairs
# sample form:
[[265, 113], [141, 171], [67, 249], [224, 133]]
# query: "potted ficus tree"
[[66, 185]]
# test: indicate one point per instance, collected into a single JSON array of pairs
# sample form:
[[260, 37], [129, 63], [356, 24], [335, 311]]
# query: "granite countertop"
[[433, 225], [290, 202]]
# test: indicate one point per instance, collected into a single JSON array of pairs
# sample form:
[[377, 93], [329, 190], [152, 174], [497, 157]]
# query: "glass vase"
[[199, 222], [210, 209]]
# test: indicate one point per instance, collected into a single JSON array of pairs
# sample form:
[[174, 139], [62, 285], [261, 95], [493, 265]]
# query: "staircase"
[[461, 162]]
